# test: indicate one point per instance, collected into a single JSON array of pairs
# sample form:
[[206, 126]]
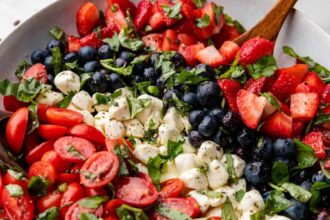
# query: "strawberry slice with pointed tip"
[[170, 41], [143, 13], [314, 81], [255, 85], [157, 21], [211, 56], [114, 16], [37, 71], [230, 89], [279, 125], [304, 106], [190, 53], [125, 5], [87, 18], [73, 44], [315, 140], [229, 50]]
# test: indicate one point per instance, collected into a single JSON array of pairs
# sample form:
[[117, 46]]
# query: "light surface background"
[[13, 11]]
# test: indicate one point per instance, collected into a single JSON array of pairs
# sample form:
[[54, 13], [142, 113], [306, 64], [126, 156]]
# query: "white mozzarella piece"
[[239, 164], [169, 171], [67, 81], [142, 168], [187, 161], [88, 117], [217, 174], [251, 202], [240, 185], [202, 200], [277, 217], [114, 129], [173, 118], [163, 150], [186, 124], [134, 128], [143, 152], [50, 97], [209, 151], [194, 179], [153, 121], [215, 212], [216, 201], [156, 105], [72, 107], [230, 193], [102, 107], [246, 216], [119, 109], [125, 92], [83, 101], [166, 133], [101, 119], [187, 147]]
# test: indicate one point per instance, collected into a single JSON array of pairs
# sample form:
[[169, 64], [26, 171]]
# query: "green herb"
[[315, 199], [38, 186], [182, 107], [84, 78], [265, 66], [236, 72], [114, 8], [16, 174], [174, 149], [153, 90], [199, 3], [89, 175], [126, 212], [33, 122], [154, 169], [210, 194], [239, 195], [14, 190], [231, 168], [322, 119], [172, 213], [304, 154], [234, 23], [203, 21], [186, 77], [74, 152], [113, 42], [140, 59], [88, 216], [74, 66], [173, 11], [22, 68], [93, 202], [228, 211], [102, 99], [217, 10], [66, 100], [121, 154], [58, 34], [280, 173], [52, 213], [109, 64], [128, 39], [271, 99], [137, 105], [57, 59], [297, 192]]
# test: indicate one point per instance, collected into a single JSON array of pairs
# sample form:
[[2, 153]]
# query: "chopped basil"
[[140, 59], [210, 194], [21, 69], [239, 195], [84, 78], [217, 10], [315, 191], [93, 202], [52, 213], [172, 213], [33, 122], [280, 173], [228, 212], [297, 192], [65, 102], [126, 212], [304, 154], [236, 72], [322, 119], [172, 11], [57, 59], [58, 34], [121, 154], [186, 77], [271, 99], [88, 216], [203, 21], [14, 190], [102, 98], [74, 66], [128, 39], [174, 149], [231, 168], [154, 169], [137, 105], [265, 66], [113, 42], [182, 107], [199, 3], [232, 22], [109, 64], [38, 186], [74, 152], [16, 174]]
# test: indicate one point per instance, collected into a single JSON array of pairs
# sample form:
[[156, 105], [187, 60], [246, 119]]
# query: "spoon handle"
[[271, 24]]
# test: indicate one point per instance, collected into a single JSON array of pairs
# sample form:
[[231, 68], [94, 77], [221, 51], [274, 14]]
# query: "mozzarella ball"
[[125, 92], [156, 105], [101, 119], [88, 117], [202, 200], [67, 81], [187, 161], [209, 151], [230, 193], [217, 174], [114, 129], [166, 133], [119, 109], [72, 107], [239, 164], [169, 171], [134, 128], [194, 179], [153, 121], [173, 118], [251, 202], [50, 97], [246, 216], [240, 185], [143, 152], [83, 101], [163, 150], [187, 147]]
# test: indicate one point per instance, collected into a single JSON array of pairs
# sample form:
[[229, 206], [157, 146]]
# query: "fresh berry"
[[304, 106], [195, 117], [284, 147], [186, 40], [297, 211], [157, 21], [178, 60], [205, 70], [257, 173], [314, 82], [208, 94], [195, 139], [263, 149], [229, 50], [170, 40], [104, 52], [87, 53], [230, 89], [297, 128], [38, 56], [114, 16], [70, 57], [278, 125], [231, 121], [190, 53], [73, 44], [325, 98], [246, 138], [124, 5], [315, 140], [211, 56], [191, 99], [227, 33], [208, 126], [143, 13], [255, 85], [153, 41], [54, 43], [87, 18]]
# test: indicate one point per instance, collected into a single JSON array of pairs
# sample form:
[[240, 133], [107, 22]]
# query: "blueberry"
[[87, 53], [217, 113], [306, 185], [318, 177], [296, 212], [305, 174], [263, 149], [196, 117], [327, 151], [127, 56], [139, 79], [231, 121], [246, 137], [54, 43], [153, 59], [139, 68], [223, 139], [195, 138], [325, 199], [91, 66], [150, 73], [284, 147], [104, 52], [161, 83], [38, 56], [70, 57], [115, 81], [98, 83], [242, 152], [208, 94], [178, 60], [205, 71], [208, 126], [168, 95], [191, 99], [290, 163], [257, 173], [120, 62], [49, 63]]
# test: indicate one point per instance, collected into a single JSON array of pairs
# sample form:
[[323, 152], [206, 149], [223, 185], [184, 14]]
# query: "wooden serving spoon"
[[271, 24]]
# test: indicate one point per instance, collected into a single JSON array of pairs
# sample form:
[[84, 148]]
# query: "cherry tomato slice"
[[95, 191], [111, 143], [171, 188], [58, 162], [43, 169], [157, 216], [74, 149], [195, 204], [36, 153], [214, 218], [111, 207], [9, 179], [76, 210], [73, 193], [180, 204], [51, 132], [38, 72], [41, 111], [87, 132], [31, 141], [64, 117], [18, 208], [11, 104], [67, 178], [135, 191], [52, 199], [16, 128], [99, 169]]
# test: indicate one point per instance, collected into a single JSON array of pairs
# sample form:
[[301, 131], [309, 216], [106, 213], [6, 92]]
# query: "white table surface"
[[13, 12]]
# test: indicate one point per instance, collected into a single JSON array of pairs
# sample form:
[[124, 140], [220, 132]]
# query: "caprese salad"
[[153, 112]]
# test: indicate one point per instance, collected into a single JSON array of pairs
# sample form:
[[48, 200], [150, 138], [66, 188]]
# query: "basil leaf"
[[22, 68], [280, 173], [235, 23], [210, 194], [14, 190], [218, 11], [203, 21], [265, 66], [236, 72], [172, 11], [128, 39], [239, 195], [228, 211], [315, 191], [109, 64], [174, 149], [271, 99], [52, 213], [93, 202], [74, 152], [182, 107], [154, 169], [38, 186], [199, 3], [137, 105], [62, 187], [101, 98], [113, 42], [322, 119], [172, 213], [33, 122], [126, 212], [65, 102], [88, 216], [74, 66], [140, 59], [304, 154], [231, 168], [121, 153], [297, 192], [186, 77], [16, 174], [57, 59], [58, 34]]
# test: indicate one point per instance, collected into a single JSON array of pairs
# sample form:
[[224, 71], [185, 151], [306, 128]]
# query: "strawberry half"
[[87, 18], [73, 43], [230, 89], [255, 85], [38, 72], [170, 41], [227, 33], [229, 50], [186, 40], [94, 40], [315, 140], [190, 53], [297, 128], [211, 56], [279, 125], [143, 13], [253, 49], [304, 106], [114, 16], [325, 98], [153, 41], [157, 21], [125, 5]]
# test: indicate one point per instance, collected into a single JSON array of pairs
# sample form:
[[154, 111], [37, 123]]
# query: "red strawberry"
[[325, 98], [314, 81], [190, 53], [297, 128], [288, 79], [125, 5], [189, 2], [186, 40], [159, 6], [211, 56], [303, 88], [157, 21], [227, 33], [230, 89], [253, 49], [255, 85], [38, 72], [315, 140], [143, 13], [93, 39], [325, 134], [153, 41], [229, 50], [185, 27], [304, 106], [250, 108], [279, 125], [170, 40], [187, 11], [114, 16], [87, 18], [73, 44]]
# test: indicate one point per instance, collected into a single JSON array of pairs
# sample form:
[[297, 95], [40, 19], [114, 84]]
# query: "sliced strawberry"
[[269, 109], [94, 40], [37, 71], [227, 33], [297, 128], [315, 140], [229, 50], [157, 21], [288, 79], [159, 6], [125, 5], [170, 40], [187, 11], [253, 49], [114, 16], [211, 56], [153, 41], [230, 89], [87, 18], [186, 40], [185, 27], [255, 85], [303, 88], [73, 43], [250, 108], [304, 106], [325, 98], [143, 13], [325, 135], [279, 125], [190, 52]]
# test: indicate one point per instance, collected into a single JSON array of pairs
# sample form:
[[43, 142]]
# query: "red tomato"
[[195, 204], [11, 104], [16, 128], [18, 208], [95, 191], [3, 215], [74, 149], [111, 207], [111, 143], [67, 178], [38, 72], [181, 205], [87, 132], [64, 117], [51, 132], [58, 162], [41, 111], [214, 218], [9, 179], [73, 193], [43, 169], [171, 188], [135, 191], [157, 216], [52, 199], [76, 210], [31, 141], [99, 169], [36, 153]]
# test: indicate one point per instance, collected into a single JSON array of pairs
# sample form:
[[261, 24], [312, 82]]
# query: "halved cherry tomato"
[[67, 178], [64, 117], [43, 169], [195, 204], [135, 191], [95, 191], [157, 216], [171, 188], [111, 143], [214, 218], [11, 104], [76, 210], [38, 72], [111, 207], [41, 111], [36, 153], [180, 204], [9, 179], [73, 193], [74, 149], [58, 162], [52, 132], [87, 132], [16, 129], [31, 141], [18, 207], [52, 199], [99, 169]]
